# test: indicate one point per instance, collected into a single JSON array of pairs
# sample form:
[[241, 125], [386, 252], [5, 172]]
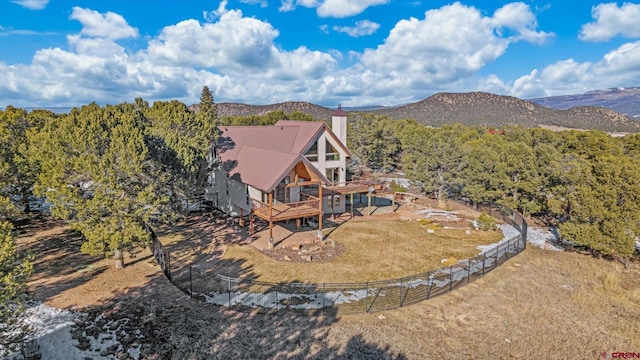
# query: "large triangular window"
[[312, 153], [331, 152]]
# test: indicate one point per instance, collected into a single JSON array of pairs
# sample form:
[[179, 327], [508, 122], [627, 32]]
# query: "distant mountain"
[[236, 109], [56, 110], [474, 108], [625, 101], [479, 108]]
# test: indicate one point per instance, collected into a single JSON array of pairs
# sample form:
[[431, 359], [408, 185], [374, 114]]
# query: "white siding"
[[227, 194]]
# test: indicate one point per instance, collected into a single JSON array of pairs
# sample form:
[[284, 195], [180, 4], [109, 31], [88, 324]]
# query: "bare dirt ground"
[[538, 305]]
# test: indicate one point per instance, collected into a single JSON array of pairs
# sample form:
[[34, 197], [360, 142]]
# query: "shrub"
[[486, 222]]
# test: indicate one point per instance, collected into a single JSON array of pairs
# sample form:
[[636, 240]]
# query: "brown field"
[[376, 249], [538, 305]]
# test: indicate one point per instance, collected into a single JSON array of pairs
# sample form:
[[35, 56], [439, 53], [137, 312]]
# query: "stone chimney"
[[339, 125]]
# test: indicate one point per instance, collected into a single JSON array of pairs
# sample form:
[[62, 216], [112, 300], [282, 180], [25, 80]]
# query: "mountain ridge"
[[471, 108]]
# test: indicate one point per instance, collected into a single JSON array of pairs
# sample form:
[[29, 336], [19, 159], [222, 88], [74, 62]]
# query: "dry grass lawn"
[[374, 250], [537, 305]]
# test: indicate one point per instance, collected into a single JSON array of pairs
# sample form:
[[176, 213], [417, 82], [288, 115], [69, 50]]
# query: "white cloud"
[[287, 5], [611, 21], [7, 32], [234, 43], [214, 15], [619, 66], [262, 3], [109, 25], [362, 28], [519, 18], [239, 59], [332, 8], [451, 43], [32, 4], [341, 8]]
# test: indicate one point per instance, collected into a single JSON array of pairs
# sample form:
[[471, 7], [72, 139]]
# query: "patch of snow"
[[52, 328], [545, 239]]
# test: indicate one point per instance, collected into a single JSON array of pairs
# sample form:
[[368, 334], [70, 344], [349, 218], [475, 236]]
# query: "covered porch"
[[276, 205]]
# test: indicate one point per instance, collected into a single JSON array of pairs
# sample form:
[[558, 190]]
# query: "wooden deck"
[[283, 212], [287, 211], [358, 185]]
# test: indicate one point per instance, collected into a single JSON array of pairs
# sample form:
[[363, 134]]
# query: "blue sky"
[[329, 52]]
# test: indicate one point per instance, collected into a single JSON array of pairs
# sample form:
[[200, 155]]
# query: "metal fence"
[[346, 298]]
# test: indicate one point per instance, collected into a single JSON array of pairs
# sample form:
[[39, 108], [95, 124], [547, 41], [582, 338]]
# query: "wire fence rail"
[[346, 298]]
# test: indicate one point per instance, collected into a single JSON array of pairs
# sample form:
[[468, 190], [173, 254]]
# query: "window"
[[333, 174], [312, 153], [331, 152]]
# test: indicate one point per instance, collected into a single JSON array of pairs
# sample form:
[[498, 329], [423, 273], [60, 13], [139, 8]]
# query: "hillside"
[[474, 108], [235, 109], [479, 108], [622, 100]]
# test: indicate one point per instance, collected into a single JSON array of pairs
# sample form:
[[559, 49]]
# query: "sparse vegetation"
[[486, 222], [374, 250]]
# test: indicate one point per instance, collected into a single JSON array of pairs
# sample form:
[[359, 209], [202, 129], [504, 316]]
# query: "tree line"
[[107, 170], [585, 182]]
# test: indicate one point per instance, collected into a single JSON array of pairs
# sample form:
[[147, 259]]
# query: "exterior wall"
[[339, 128], [339, 204], [227, 194], [322, 164]]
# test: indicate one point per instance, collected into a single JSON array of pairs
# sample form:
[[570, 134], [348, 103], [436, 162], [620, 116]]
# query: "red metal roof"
[[261, 156]]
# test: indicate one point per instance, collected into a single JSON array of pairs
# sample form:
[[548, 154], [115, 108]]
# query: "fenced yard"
[[242, 291]]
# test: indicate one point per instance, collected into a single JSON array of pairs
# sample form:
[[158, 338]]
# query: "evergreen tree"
[[108, 170], [18, 171], [207, 113]]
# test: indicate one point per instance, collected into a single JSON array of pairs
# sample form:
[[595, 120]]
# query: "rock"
[[287, 258], [308, 258], [296, 247], [381, 317]]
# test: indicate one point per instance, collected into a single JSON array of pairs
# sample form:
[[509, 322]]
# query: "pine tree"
[[108, 170], [207, 109]]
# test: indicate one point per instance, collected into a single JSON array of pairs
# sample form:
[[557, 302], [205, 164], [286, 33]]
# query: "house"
[[291, 170]]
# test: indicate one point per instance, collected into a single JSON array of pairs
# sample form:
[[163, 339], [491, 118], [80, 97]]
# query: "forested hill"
[[474, 108], [235, 109], [479, 108]]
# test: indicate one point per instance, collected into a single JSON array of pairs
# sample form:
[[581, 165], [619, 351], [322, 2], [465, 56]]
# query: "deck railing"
[[312, 202]]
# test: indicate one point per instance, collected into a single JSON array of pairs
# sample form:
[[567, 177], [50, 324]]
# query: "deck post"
[[251, 228], [352, 205], [271, 220], [241, 217], [320, 236], [333, 215]]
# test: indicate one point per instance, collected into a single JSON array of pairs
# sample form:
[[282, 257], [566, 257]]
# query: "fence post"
[[469, 272], [324, 290], [484, 257], [508, 248], [429, 284], [450, 277], [190, 282], [366, 299], [400, 292]]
